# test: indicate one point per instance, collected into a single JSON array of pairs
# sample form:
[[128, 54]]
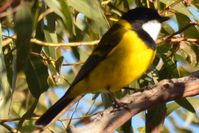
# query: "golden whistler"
[[123, 54]]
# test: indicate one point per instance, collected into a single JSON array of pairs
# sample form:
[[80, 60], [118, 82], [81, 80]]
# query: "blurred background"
[[43, 44]]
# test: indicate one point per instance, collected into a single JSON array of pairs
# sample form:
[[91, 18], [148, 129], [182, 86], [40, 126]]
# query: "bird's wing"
[[107, 43]]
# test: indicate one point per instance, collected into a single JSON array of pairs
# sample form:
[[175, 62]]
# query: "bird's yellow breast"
[[126, 62]]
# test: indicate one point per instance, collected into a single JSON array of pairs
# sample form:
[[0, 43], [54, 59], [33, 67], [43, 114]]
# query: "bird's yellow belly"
[[120, 73], [124, 64]]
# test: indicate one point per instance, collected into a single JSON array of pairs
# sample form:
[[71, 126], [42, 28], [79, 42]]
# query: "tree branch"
[[165, 91]]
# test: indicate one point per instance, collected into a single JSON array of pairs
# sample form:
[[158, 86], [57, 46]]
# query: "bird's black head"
[[142, 15]]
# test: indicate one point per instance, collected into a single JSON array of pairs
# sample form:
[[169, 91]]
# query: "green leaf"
[[61, 8], [39, 34], [168, 28], [126, 128], [174, 106], [52, 38], [5, 92], [196, 51], [23, 29], [183, 102], [58, 63], [187, 54], [169, 69], [163, 48], [177, 128], [28, 114], [155, 117], [36, 75], [196, 3], [122, 5], [92, 10], [179, 7], [183, 21]]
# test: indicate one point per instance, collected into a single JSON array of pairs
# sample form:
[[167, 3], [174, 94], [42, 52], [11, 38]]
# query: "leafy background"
[[44, 43]]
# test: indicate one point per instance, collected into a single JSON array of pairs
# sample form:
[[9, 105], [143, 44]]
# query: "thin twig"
[[168, 38], [11, 130], [42, 43], [45, 13], [70, 44], [72, 64], [173, 4], [179, 39], [9, 120], [180, 31]]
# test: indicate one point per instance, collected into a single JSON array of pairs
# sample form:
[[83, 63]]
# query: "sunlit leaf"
[[4, 84], [61, 8], [187, 53], [177, 6], [92, 10], [50, 37], [179, 128]]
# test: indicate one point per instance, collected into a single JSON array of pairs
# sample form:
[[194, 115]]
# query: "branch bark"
[[166, 90]]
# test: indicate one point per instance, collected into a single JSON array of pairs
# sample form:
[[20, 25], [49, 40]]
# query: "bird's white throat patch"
[[153, 28]]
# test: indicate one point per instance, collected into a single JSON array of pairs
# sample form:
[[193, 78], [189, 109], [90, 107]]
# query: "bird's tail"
[[61, 106]]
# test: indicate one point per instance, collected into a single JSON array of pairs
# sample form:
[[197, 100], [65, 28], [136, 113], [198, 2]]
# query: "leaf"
[[36, 75], [177, 128], [187, 53], [183, 102], [28, 114], [163, 48], [50, 37], [61, 8], [122, 5], [23, 29], [169, 69], [126, 127], [174, 106], [168, 28], [92, 10], [155, 117], [196, 51], [39, 34], [51, 20], [58, 63], [196, 3], [4, 84], [179, 6], [183, 21]]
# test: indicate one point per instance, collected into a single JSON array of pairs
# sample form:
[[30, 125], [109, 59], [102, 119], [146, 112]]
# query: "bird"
[[124, 54]]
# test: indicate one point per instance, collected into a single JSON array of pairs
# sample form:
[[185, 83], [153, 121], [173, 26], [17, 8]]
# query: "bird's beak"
[[162, 19]]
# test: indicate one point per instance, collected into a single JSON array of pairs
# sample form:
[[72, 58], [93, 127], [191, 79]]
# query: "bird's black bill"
[[162, 19]]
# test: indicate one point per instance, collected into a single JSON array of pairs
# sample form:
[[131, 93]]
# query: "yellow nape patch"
[[125, 24]]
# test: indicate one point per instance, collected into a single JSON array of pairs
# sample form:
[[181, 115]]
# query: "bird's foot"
[[117, 105]]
